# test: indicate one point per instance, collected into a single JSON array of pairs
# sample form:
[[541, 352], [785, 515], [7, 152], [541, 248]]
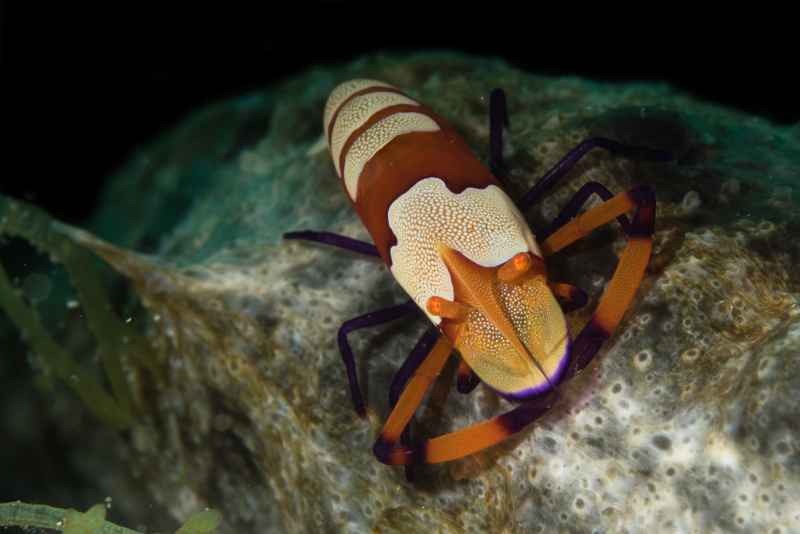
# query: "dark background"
[[83, 87]]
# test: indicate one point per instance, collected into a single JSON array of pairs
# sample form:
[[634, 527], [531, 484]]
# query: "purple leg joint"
[[643, 224]]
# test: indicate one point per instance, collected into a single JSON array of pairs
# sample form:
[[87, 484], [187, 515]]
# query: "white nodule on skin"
[[482, 224], [375, 138], [342, 93], [355, 113]]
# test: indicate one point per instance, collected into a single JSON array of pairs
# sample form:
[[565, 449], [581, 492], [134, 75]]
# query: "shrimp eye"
[[447, 309]]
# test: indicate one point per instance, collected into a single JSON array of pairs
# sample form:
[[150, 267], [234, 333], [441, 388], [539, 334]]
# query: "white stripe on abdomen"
[[355, 114], [376, 137]]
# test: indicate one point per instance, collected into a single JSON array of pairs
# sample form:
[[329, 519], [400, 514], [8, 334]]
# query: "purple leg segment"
[[498, 119], [340, 241], [573, 156], [367, 320], [529, 411], [585, 347]]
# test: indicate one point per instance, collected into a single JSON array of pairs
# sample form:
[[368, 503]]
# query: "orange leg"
[[455, 444], [410, 399], [612, 306], [629, 272], [584, 223]]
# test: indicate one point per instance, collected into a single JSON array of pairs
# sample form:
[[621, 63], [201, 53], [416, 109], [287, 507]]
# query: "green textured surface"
[[93, 521], [685, 423]]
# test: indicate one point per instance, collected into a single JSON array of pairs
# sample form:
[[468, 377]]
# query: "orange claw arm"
[[584, 223]]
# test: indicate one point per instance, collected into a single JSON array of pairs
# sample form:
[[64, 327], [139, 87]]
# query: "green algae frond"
[[203, 522], [93, 521], [116, 340]]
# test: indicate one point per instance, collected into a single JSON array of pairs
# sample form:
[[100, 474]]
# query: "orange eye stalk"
[[514, 268], [447, 309]]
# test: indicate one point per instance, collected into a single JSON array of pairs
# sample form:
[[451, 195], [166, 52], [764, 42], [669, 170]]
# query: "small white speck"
[[691, 202]]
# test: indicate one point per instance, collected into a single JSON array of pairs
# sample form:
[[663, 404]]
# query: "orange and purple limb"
[[402, 376], [613, 303], [626, 279], [575, 204], [455, 444], [411, 364]]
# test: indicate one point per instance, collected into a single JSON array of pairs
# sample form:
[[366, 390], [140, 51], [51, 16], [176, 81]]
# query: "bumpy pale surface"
[[375, 138], [429, 214], [685, 423]]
